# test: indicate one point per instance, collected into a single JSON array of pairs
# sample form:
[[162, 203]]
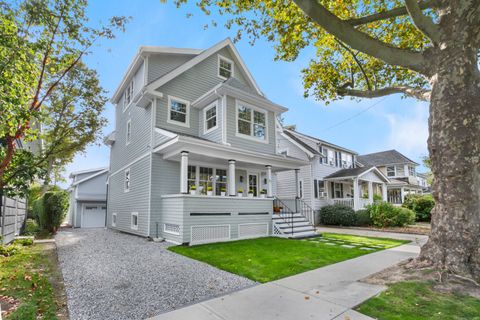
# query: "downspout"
[[106, 205]]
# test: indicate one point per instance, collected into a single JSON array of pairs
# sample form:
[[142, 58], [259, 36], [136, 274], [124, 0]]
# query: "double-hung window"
[[411, 171], [225, 67], [251, 122], [178, 111], [126, 186], [192, 177], [210, 115], [391, 171], [128, 95], [319, 188]]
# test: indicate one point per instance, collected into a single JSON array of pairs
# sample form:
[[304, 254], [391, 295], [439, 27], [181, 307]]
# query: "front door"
[[253, 184]]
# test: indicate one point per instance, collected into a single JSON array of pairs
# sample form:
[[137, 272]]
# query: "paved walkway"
[[327, 293]]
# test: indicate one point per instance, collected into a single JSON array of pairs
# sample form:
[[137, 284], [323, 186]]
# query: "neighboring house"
[[193, 135], [399, 169], [331, 175], [422, 181], [88, 198]]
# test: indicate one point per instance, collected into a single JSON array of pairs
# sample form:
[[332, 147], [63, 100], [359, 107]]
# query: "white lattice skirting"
[[211, 233], [171, 228], [252, 230]]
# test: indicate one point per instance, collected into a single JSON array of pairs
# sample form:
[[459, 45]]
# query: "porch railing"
[[284, 212], [306, 211], [344, 201]]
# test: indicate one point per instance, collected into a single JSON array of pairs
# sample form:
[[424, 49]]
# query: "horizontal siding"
[[244, 143], [184, 205], [189, 86], [165, 180], [286, 187], [136, 200], [292, 149], [216, 134], [161, 64], [93, 189]]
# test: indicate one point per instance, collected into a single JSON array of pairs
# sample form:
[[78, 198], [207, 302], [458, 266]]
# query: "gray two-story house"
[[194, 154]]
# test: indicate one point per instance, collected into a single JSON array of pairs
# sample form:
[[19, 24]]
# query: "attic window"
[[225, 67]]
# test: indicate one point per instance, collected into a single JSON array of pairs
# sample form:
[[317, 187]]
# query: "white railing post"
[[184, 172], [356, 194], [384, 192], [370, 193]]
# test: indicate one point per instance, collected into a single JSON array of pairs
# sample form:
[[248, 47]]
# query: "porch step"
[[304, 234], [287, 218], [296, 224], [288, 230]]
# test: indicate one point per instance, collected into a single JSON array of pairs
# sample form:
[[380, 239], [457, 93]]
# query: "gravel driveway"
[[111, 275]]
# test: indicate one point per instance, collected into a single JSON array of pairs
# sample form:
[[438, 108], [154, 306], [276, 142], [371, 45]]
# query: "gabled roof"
[[356, 172], [90, 177], [138, 60], [383, 158], [316, 140], [199, 58], [75, 173], [300, 143]]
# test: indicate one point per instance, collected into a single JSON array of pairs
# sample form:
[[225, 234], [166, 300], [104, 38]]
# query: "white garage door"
[[93, 216]]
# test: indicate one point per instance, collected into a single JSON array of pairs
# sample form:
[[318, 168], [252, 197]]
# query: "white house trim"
[[90, 177], [132, 226], [310, 154], [211, 105]]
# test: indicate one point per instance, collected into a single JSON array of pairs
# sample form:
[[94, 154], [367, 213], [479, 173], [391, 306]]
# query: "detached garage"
[[88, 198]]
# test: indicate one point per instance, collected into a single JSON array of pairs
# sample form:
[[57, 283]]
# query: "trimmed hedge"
[[422, 205], [50, 210], [337, 215], [384, 214]]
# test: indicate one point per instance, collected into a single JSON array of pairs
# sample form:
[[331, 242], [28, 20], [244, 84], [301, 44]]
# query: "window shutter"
[[332, 193], [315, 188]]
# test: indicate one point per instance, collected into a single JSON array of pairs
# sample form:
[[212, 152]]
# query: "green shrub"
[[404, 217], [363, 218], [24, 242], [422, 205], [377, 197], [8, 250], [338, 215], [50, 210], [385, 214], [31, 228]]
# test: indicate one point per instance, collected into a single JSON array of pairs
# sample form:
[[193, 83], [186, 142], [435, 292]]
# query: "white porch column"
[[231, 178], [402, 194], [384, 192], [356, 195], [269, 182], [370, 191], [184, 172]]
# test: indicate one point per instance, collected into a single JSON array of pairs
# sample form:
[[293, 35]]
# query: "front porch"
[[356, 188], [224, 193]]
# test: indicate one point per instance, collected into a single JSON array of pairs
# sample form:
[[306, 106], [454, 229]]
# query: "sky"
[[370, 125]]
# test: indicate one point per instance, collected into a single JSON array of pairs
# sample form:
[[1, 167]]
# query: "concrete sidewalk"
[[327, 293]]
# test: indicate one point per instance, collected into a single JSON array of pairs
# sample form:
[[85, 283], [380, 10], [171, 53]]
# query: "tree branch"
[[418, 93], [354, 56], [423, 23], [361, 41], [396, 12]]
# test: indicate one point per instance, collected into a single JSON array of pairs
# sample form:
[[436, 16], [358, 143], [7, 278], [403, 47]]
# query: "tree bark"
[[454, 146]]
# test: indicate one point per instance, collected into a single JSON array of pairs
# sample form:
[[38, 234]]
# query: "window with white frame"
[[178, 111], [338, 190], [128, 95], [192, 177], [114, 219], [128, 132], [126, 185], [330, 157], [225, 67], [411, 171], [319, 188], [134, 221], [251, 122], [210, 115], [205, 180], [391, 171], [220, 181], [400, 171]]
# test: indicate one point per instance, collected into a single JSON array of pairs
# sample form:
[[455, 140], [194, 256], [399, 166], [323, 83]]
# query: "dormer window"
[[225, 67], [128, 95], [178, 111]]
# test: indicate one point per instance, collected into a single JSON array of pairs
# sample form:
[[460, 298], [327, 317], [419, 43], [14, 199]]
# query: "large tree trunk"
[[454, 146]]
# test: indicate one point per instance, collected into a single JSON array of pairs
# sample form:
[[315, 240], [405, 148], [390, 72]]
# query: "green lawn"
[[27, 276], [417, 301], [268, 259]]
